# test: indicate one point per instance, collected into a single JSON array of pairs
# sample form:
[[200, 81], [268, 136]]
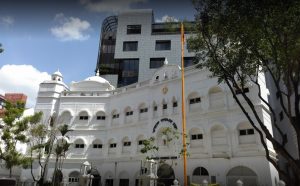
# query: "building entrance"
[[165, 175]]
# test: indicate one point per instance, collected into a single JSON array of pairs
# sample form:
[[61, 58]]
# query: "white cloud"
[[110, 5], [166, 18], [70, 28], [22, 79], [7, 20]]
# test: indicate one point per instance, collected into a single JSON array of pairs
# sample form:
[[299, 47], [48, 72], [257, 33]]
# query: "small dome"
[[57, 73], [97, 79]]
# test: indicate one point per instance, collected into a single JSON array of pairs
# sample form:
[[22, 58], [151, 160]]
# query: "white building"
[[109, 125]]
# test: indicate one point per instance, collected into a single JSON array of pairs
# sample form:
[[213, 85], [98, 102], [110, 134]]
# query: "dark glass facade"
[[129, 71]]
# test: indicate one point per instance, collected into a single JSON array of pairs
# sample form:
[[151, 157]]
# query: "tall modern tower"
[[133, 46]]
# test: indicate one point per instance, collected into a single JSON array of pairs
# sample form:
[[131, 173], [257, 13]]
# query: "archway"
[[165, 175], [96, 176], [245, 174], [200, 174]]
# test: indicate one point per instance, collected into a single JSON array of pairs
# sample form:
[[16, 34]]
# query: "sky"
[[40, 37]]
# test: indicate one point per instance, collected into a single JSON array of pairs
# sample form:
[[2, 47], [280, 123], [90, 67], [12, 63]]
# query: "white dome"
[[57, 73], [97, 79]]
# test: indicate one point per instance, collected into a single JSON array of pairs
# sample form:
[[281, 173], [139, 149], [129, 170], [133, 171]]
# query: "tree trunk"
[[10, 172]]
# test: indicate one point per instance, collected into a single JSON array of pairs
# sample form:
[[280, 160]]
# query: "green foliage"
[[14, 132], [237, 41], [151, 149]]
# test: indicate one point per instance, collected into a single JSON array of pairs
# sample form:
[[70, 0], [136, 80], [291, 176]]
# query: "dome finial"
[[166, 61], [98, 72]]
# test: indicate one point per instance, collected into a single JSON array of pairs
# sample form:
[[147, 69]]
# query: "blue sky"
[[45, 35]]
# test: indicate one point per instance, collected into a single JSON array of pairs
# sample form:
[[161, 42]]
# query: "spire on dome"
[[98, 72], [166, 61]]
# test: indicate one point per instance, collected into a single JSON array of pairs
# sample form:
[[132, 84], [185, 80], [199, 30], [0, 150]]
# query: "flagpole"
[[183, 108]]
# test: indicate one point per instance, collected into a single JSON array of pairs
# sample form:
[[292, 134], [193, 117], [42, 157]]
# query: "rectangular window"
[[129, 113], [79, 146], [127, 143], [165, 106], [130, 46], [244, 132], [250, 131], [97, 146], [189, 61], [197, 136], [239, 91], [141, 142], [175, 104], [195, 100], [156, 62], [155, 108], [163, 45], [73, 179], [134, 29], [115, 116], [143, 110], [100, 117], [83, 117], [113, 145]]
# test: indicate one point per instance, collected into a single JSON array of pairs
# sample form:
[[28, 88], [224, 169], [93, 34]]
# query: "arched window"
[[143, 111], [174, 105], [97, 144], [218, 135], [115, 117], [115, 114], [79, 144], [128, 115], [112, 146], [83, 115], [140, 139], [194, 101], [245, 174], [246, 134], [74, 177], [196, 137], [155, 109], [216, 97], [200, 174], [100, 116], [200, 171], [126, 145], [164, 107], [65, 118]]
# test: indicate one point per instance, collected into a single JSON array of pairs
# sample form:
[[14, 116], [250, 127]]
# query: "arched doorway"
[[200, 174], [97, 178], [246, 175], [74, 178], [165, 175]]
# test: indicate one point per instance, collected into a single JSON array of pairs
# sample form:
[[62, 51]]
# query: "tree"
[[13, 134], [60, 149], [238, 41], [43, 144]]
